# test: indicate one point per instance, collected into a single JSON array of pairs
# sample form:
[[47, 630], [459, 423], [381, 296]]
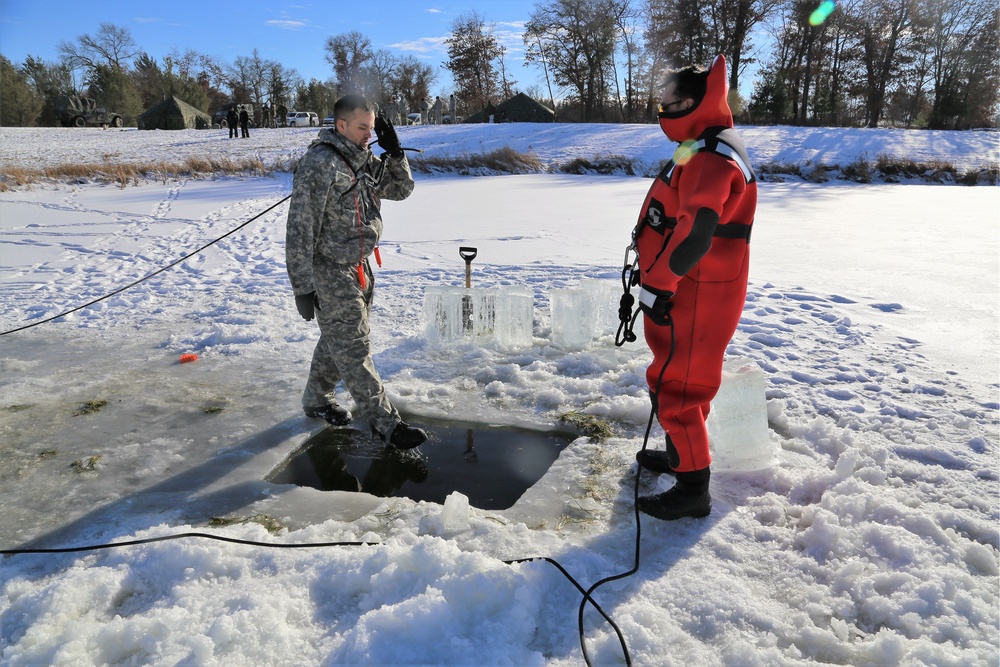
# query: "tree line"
[[908, 63]]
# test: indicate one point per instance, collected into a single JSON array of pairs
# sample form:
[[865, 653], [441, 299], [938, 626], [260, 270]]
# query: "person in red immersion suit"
[[692, 240]]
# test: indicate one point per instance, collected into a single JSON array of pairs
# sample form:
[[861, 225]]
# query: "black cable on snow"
[[147, 277]]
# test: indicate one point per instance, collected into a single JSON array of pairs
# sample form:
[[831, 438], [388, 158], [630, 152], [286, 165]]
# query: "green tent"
[[518, 109], [174, 114]]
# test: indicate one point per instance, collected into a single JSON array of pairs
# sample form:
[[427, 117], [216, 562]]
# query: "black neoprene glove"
[[307, 305], [387, 137]]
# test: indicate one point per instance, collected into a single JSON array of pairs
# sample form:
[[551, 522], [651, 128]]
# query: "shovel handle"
[[468, 254]]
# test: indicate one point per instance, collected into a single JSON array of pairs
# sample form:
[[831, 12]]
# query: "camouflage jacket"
[[334, 213]]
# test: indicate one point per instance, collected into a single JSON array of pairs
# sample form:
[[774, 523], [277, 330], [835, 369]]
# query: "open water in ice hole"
[[491, 465]]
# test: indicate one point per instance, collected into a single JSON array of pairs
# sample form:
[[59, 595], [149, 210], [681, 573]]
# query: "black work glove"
[[387, 137], [307, 305]]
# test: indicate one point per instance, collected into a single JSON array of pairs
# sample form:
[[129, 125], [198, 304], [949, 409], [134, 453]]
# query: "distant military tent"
[[518, 109], [174, 114]]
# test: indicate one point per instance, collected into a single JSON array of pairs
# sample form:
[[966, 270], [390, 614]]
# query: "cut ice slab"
[[582, 314], [737, 424], [503, 314], [491, 465]]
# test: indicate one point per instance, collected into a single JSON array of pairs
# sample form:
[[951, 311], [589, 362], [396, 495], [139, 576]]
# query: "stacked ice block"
[[502, 314], [737, 425], [580, 315]]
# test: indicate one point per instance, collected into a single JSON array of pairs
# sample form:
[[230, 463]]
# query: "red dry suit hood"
[[711, 111]]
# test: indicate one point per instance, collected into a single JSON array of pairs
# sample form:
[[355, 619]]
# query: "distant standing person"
[[244, 123], [334, 225], [231, 121], [693, 243]]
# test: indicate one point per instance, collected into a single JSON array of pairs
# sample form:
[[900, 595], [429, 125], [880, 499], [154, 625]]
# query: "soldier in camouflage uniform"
[[334, 224]]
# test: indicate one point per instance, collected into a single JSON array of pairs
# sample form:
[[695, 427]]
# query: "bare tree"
[[348, 54], [112, 46], [536, 53], [240, 79], [578, 39], [804, 82], [625, 17], [215, 70], [841, 56], [280, 84], [378, 75], [506, 83], [412, 79], [961, 32], [884, 29], [683, 32], [677, 32], [473, 51]]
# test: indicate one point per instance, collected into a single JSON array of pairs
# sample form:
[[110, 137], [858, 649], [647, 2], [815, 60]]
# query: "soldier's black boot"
[[688, 498], [405, 436], [331, 412]]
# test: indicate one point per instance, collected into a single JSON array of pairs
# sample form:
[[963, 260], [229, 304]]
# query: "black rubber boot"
[[689, 498], [655, 460], [332, 413], [662, 462]]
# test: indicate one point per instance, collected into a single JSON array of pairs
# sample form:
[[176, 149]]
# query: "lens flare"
[[822, 12], [685, 152]]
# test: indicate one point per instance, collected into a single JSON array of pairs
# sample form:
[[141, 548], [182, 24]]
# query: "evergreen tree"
[[49, 81], [20, 105], [179, 82], [316, 96], [148, 79], [112, 88]]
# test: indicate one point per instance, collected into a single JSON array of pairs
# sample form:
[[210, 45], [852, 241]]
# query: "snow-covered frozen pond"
[[873, 311]]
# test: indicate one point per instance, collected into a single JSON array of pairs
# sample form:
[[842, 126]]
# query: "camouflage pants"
[[344, 351]]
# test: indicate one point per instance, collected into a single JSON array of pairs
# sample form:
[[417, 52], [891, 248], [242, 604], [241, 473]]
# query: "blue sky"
[[293, 33]]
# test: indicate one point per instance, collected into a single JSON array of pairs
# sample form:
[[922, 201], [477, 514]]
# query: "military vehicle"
[[75, 111], [219, 117]]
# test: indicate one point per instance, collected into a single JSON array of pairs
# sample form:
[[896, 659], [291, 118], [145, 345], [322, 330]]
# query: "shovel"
[[468, 254]]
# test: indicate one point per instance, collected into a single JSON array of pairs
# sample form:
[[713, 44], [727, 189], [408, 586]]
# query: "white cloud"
[[286, 24], [422, 45]]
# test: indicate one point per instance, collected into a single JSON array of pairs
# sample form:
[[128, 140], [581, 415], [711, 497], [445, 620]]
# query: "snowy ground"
[[873, 311]]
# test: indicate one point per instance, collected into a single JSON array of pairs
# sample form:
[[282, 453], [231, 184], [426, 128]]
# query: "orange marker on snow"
[[185, 358]]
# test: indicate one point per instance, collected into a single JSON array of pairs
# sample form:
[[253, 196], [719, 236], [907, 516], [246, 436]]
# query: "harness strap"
[[733, 230], [714, 140], [724, 149], [655, 303], [357, 210]]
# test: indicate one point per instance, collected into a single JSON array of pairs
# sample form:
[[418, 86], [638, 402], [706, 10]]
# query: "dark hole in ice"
[[491, 465]]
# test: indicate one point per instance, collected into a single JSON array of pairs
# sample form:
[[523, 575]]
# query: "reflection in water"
[[491, 465], [391, 470], [329, 457], [470, 447]]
